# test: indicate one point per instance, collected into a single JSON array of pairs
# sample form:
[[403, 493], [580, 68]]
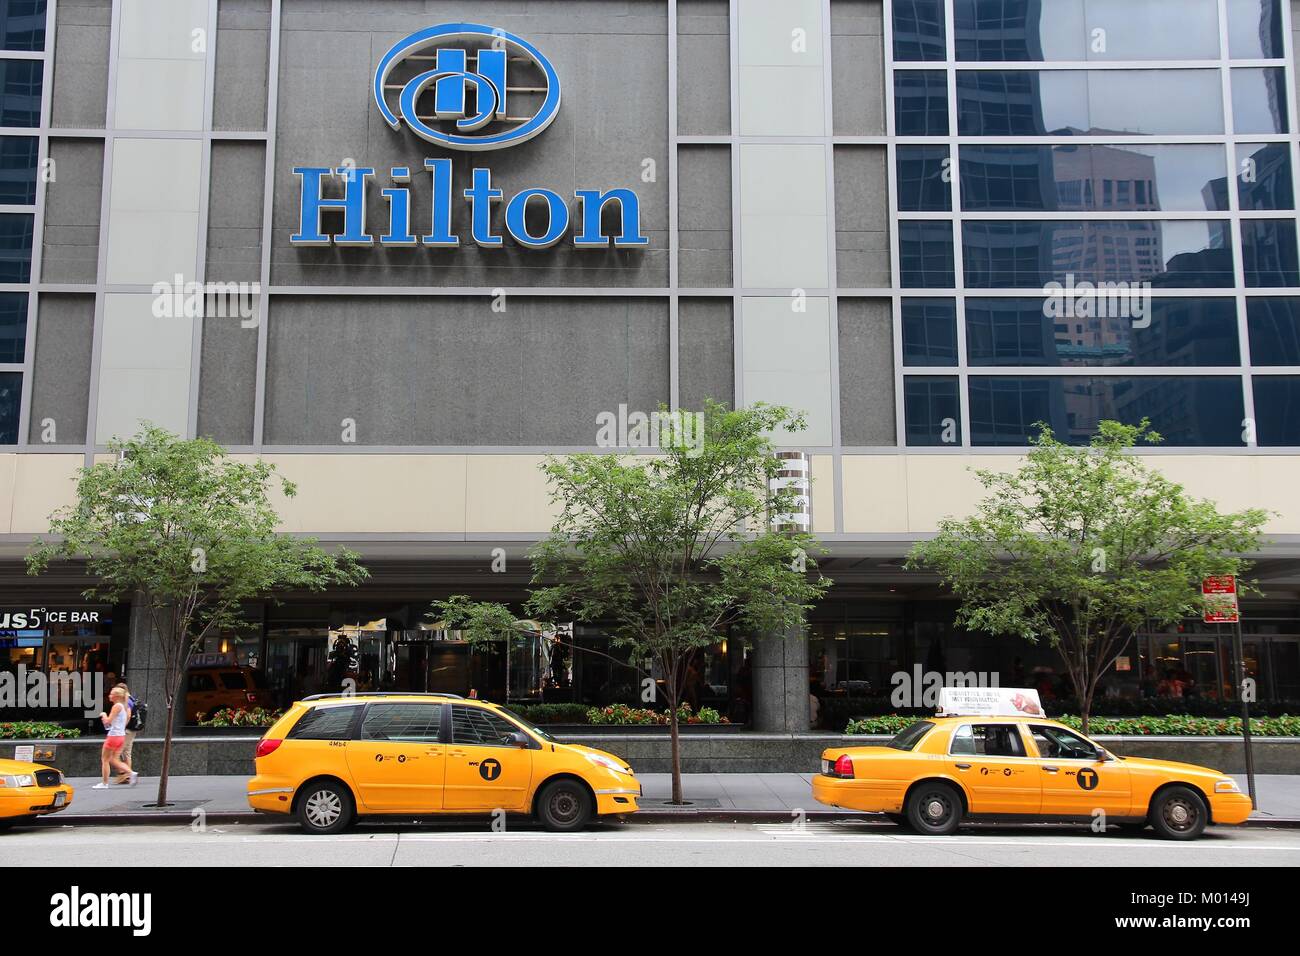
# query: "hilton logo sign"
[[466, 59]]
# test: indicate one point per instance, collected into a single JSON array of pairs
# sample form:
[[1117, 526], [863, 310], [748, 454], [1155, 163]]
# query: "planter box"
[[565, 730], [258, 732]]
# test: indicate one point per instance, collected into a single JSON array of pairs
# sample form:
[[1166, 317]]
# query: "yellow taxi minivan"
[[1016, 763], [333, 758], [30, 790]]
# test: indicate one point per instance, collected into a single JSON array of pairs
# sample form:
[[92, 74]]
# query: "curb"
[[648, 816]]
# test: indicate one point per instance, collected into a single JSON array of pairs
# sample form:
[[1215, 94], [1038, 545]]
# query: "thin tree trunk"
[[166, 758], [677, 753]]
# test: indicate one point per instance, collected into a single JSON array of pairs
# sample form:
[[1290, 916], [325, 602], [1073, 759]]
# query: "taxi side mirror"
[[519, 738], [1103, 755]]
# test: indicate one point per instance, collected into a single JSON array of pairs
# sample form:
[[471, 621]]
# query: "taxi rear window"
[[909, 738]]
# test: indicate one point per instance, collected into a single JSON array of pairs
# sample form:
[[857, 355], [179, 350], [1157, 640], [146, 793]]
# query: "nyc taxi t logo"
[[487, 90]]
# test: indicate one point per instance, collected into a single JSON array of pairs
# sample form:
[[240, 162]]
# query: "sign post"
[[1220, 595]]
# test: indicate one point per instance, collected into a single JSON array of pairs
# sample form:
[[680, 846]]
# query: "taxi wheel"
[[1178, 813], [934, 808], [564, 806], [325, 807]]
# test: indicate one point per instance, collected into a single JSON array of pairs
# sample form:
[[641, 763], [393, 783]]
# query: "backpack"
[[139, 714]]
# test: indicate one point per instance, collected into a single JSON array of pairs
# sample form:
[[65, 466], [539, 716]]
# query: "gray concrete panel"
[[80, 95], [862, 217], [866, 352], [704, 217], [72, 202], [243, 57], [235, 212], [454, 371], [706, 352], [61, 375]]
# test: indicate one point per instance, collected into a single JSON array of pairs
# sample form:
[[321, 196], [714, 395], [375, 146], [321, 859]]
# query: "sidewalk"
[[711, 795]]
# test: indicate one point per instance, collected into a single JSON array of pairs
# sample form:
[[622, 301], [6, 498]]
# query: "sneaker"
[[135, 778], [100, 786]]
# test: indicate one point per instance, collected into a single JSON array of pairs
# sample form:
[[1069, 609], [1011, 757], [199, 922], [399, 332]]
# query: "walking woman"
[[115, 724]]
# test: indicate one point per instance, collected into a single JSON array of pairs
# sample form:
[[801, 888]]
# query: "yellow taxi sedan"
[[30, 790], [332, 758], [942, 770]]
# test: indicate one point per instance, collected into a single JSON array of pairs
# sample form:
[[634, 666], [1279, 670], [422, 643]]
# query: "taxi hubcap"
[[564, 806], [324, 808], [1179, 815]]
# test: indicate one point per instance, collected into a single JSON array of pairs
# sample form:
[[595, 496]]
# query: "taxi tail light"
[[844, 766], [266, 746]]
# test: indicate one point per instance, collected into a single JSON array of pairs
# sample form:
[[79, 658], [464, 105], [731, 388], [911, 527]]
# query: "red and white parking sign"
[[1220, 594]]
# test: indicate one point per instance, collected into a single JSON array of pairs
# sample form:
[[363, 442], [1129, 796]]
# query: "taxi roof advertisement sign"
[[1220, 595], [989, 702]]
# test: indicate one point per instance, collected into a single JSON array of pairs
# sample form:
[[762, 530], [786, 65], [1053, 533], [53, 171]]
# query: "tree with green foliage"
[[669, 550], [186, 534], [1083, 546]]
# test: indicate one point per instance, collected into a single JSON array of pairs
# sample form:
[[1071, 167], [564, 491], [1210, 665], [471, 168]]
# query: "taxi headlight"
[[17, 780], [1226, 786], [600, 760]]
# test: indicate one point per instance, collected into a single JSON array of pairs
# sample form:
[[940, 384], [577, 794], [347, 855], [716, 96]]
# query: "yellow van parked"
[[332, 758]]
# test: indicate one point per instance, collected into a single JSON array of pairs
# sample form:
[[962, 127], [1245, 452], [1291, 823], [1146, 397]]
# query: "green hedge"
[[36, 730], [1173, 725], [552, 713]]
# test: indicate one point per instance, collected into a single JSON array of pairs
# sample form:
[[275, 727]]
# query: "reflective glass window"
[[15, 247], [925, 258], [1264, 176], [919, 30], [1268, 248], [18, 155], [1274, 326], [1055, 30], [1259, 100], [1011, 254], [931, 410], [1069, 102], [924, 179], [1277, 410], [22, 24], [1179, 177], [11, 394], [1192, 411], [929, 331], [1107, 330], [20, 92], [13, 326], [920, 103], [1255, 30]]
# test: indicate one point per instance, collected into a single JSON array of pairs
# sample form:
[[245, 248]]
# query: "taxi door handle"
[[1050, 769], [963, 766]]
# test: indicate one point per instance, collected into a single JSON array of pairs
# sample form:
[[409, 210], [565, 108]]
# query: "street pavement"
[[710, 795], [849, 842]]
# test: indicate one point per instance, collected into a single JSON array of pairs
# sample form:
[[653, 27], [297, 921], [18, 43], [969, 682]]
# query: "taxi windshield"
[[909, 738], [519, 720]]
